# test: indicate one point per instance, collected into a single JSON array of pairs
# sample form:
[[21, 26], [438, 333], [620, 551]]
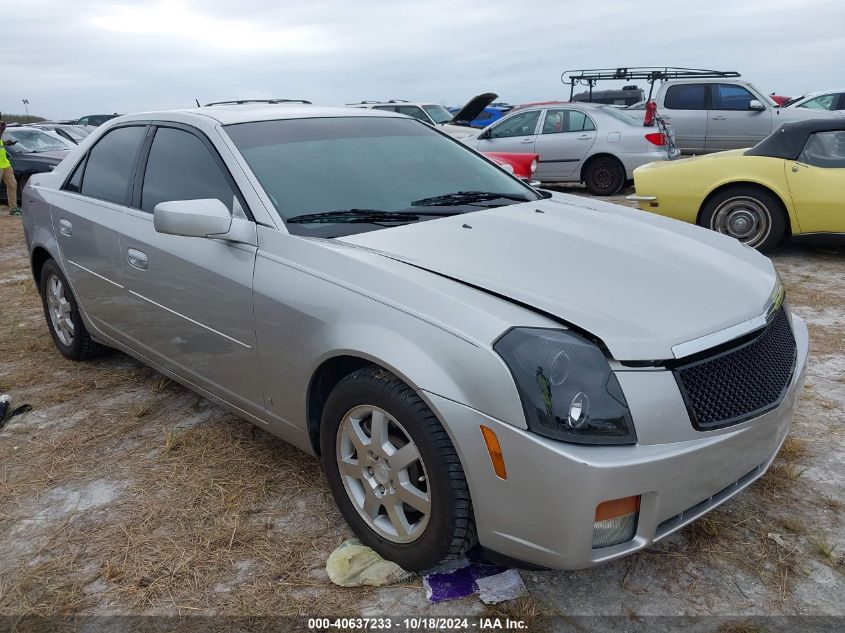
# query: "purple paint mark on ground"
[[459, 583]]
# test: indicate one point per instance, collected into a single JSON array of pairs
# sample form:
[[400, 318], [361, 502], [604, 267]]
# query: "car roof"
[[370, 104], [820, 93], [248, 113]]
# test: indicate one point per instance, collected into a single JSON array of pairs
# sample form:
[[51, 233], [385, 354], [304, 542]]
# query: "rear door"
[[565, 139], [515, 133], [685, 109], [733, 124], [192, 297], [87, 222], [816, 182]]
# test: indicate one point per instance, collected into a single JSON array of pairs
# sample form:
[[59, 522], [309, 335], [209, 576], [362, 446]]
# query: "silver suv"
[[563, 381]]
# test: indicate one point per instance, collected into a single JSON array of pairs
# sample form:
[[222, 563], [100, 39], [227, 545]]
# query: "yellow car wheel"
[[752, 215]]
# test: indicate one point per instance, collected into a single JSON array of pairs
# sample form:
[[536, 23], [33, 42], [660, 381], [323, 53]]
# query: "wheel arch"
[[593, 157], [38, 258], [735, 184]]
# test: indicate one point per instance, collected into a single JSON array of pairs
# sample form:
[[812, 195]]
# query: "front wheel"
[[753, 216], [604, 176], [394, 472]]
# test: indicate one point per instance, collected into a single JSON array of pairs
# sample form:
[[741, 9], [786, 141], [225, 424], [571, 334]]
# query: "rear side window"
[[567, 121], [730, 97], [110, 167], [686, 97], [181, 167]]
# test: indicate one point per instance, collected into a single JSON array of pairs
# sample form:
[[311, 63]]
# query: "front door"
[[515, 133], [816, 182], [88, 215], [565, 139], [733, 124], [192, 296]]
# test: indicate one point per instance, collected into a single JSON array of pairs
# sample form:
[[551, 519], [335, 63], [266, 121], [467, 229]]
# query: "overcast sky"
[[70, 57]]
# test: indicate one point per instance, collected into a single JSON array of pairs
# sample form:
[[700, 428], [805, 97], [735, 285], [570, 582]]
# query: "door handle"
[[136, 259], [527, 140], [585, 137], [719, 117], [65, 227]]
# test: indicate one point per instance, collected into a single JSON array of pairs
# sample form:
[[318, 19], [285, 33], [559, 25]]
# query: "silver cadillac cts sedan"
[[561, 380]]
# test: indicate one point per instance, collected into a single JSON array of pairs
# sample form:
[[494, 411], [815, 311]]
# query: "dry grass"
[[527, 609], [210, 513]]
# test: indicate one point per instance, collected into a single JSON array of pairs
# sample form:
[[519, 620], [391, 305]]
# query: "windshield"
[[631, 117], [358, 168], [438, 113], [36, 141]]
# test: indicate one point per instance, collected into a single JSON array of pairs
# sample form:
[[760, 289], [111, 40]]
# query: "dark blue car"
[[35, 151]]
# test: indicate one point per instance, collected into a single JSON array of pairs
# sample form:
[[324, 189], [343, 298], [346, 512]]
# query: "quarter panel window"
[[110, 167], [731, 97], [180, 167], [415, 112], [523, 124], [686, 97], [825, 149]]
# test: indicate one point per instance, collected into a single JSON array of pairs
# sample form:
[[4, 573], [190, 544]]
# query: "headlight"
[[567, 388]]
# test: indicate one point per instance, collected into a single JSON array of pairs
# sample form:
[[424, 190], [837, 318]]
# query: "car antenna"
[[198, 103]]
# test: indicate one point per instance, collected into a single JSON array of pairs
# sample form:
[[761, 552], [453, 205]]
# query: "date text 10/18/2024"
[[401, 625]]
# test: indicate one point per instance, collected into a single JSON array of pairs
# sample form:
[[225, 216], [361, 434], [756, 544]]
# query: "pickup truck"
[[712, 115]]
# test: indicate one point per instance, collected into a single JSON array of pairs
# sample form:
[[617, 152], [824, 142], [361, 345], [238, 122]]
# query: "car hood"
[[49, 158], [458, 131], [802, 114], [640, 282], [474, 107]]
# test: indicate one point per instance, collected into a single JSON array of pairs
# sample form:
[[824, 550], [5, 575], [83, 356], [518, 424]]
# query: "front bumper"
[[543, 513]]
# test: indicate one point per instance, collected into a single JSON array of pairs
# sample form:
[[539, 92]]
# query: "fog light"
[[616, 521]]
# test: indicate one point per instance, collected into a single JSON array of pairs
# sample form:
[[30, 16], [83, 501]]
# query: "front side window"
[[731, 97], [824, 102], [825, 149], [329, 176], [686, 97], [180, 167], [413, 111], [558, 121], [110, 167], [522, 124], [438, 113]]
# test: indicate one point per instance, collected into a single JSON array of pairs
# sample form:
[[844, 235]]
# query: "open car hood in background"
[[474, 107]]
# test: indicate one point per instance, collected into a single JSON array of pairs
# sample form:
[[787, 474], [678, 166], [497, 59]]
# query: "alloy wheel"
[[383, 474], [60, 310]]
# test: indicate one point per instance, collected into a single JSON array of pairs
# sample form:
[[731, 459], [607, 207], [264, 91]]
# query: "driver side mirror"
[[486, 134], [202, 218], [756, 105]]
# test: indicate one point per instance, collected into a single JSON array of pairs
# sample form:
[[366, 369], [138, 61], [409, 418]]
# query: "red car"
[[522, 164]]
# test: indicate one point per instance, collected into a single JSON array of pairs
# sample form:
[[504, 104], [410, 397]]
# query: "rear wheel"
[[394, 472], [604, 176], [62, 314], [753, 216]]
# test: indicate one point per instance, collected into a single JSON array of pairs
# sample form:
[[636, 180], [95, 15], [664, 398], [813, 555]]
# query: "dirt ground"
[[124, 493]]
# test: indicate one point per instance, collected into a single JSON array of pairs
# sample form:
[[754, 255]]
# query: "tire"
[[356, 404], [604, 176], [62, 314], [752, 215]]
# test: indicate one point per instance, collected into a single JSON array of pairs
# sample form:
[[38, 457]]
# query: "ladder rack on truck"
[[651, 74]]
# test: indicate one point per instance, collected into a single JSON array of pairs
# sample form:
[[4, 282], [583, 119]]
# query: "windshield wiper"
[[465, 197], [368, 216]]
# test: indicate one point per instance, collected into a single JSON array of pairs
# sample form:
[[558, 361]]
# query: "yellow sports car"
[[791, 183]]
